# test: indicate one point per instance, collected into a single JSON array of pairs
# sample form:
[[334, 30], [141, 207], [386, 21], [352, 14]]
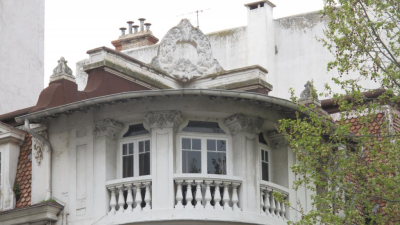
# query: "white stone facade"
[[21, 53]]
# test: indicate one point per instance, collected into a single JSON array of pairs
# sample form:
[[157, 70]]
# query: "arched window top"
[[203, 127], [135, 130], [261, 139]]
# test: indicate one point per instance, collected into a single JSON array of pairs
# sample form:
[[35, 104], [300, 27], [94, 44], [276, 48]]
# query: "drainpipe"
[[46, 142]]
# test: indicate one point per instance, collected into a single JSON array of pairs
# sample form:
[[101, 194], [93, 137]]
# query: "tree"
[[353, 162]]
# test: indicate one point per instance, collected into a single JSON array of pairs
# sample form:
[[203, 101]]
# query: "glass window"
[[261, 139], [191, 155], [136, 158], [216, 156], [203, 127], [135, 130], [265, 165]]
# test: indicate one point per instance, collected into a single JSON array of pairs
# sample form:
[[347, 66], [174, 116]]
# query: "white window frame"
[[203, 137], [135, 140], [263, 147]]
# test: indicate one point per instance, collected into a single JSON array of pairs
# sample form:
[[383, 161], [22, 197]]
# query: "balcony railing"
[[207, 192], [129, 195], [269, 205]]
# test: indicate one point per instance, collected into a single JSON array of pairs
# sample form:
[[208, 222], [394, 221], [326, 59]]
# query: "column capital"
[[107, 127], [164, 119], [277, 140], [243, 123]]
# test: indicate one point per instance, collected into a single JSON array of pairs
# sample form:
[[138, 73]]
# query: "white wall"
[[21, 53]]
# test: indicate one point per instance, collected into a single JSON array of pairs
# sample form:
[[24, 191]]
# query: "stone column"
[[105, 135], [244, 130], [163, 125]]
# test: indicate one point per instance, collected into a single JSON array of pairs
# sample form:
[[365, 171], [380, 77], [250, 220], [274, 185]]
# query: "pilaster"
[[163, 126]]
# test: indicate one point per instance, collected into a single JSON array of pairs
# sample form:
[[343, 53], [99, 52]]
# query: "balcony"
[[207, 198]]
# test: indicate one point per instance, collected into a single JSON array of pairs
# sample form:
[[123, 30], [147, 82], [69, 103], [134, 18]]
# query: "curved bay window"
[[135, 149], [205, 150]]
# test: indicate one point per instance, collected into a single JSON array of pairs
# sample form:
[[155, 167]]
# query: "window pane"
[[211, 145], [127, 166], [265, 175], [135, 130], [147, 146], [203, 127], [221, 145], [262, 155], [191, 162], [196, 144], [141, 146], [124, 149], [186, 143], [130, 148], [266, 156], [216, 163], [144, 164]]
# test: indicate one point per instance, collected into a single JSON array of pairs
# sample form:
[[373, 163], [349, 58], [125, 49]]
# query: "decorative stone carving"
[[62, 71], [107, 127], [190, 64], [277, 140], [168, 119], [38, 146], [240, 122], [307, 95]]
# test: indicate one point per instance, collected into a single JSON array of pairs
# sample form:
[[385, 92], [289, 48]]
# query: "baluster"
[[272, 204], [189, 196], [217, 196], [283, 211], [267, 202], [261, 200], [113, 201], [121, 199], [129, 198], [147, 197], [278, 208], [226, 199], [138, 198], [179, 196], [235, 197], [199, 196], [207, 196]]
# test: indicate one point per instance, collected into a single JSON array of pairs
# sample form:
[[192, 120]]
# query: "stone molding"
[[186, 68], [164, 119], [38, 147], [277, 140], [107, 127], [243, 123], [62, 71]]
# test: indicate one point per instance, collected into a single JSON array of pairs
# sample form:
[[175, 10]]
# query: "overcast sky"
[[74, 26]]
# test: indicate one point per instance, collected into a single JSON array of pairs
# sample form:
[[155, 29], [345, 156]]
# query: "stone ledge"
[[38, 213]]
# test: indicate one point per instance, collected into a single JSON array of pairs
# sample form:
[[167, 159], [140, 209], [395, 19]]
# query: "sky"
[[72, 27]]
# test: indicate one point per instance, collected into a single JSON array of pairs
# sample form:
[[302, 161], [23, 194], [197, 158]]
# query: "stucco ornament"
[[307, 94], [242, 123], [164, 119], [277, 140], [62, 71], [107, 127], [38, 146], [176, 58]]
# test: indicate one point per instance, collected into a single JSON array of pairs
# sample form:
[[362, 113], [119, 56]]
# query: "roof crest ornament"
[[62, 71], [308, 96], [176, 58]]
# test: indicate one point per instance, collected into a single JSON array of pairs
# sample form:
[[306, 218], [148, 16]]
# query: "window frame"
[[263, 147], [135, 140], [203, 137]]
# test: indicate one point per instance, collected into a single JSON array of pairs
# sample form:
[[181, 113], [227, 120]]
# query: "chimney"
[[136, 39], [122, 31], [136, 28], [141, 24], [130, 26], [147, 26]]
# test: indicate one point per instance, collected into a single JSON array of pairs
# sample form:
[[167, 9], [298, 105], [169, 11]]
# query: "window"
[[202, 153], [135, 152], [265, 164]]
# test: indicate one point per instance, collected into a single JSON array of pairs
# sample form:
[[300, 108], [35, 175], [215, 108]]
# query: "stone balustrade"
[[129, 195], [269, 205], [207, 192]]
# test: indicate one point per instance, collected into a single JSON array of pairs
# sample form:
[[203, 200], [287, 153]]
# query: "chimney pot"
[[141, 24], [130, 26], [147, 26], [136, 28], [122, 31]]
